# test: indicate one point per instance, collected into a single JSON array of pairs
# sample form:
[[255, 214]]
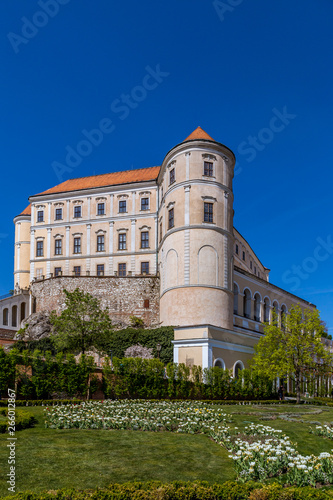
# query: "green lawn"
[[51, 459]]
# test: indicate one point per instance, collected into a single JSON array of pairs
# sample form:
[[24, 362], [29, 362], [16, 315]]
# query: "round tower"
[[196, 233]]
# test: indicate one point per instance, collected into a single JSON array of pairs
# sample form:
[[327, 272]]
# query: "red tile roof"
[[26, 211], [199, 133]]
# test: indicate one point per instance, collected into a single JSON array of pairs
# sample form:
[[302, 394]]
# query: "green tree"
[[82, 323], [294, 348]]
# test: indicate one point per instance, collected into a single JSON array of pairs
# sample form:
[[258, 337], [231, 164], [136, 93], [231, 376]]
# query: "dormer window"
[[208, 169], [101, 209], [172, 176], [40, 216], [77, 212]]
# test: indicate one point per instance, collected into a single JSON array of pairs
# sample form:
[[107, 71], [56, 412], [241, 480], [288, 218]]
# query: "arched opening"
[[238, 367], [5, 317], [235, 298], [14, 316], [22, 314], [219, 363], [266, 309], [276, 313], [247, 303], [257, 316], [283, 316]]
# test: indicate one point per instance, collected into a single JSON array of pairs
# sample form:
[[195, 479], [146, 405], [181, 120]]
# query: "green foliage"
[[292, 349], [23, 420], [42, 345], [116, 342], [136, 322], [7, 369], [82, 323], [181, 490]]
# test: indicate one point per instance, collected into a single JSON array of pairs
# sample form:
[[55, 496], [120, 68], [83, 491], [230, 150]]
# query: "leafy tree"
[[295, 348], [82, 323]]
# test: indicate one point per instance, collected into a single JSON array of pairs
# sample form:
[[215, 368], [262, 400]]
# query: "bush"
[[23, 420], [180, 490]]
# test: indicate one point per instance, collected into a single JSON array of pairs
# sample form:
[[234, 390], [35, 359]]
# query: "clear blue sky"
[[230, 69]]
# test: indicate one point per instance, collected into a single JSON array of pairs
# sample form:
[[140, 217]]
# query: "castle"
[[158, 243]]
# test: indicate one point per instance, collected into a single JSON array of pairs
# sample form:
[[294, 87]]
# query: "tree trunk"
[[298, 387]]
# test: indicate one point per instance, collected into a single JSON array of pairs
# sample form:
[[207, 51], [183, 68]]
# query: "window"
[[40, 248], [255, 270], [58, 214], [40, 216], [208, 212], [58, 247], [5, 317], [77, 211], [172, 176], [121, 269], [146, 303], [122, 207], [208, 168], [100, 269], [144, 267], [237, 250], [39, 273], [251, 264], [243, 255], [160, 232], [57, 271], [122, 241], [77, 245], [144, 239], [101, 209], [247, 303], [100, 243], [77, 270], [257, 307], [14, 316], [144, 203], [235, 299], [171, 218]]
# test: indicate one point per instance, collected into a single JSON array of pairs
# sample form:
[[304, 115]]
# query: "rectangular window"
[[144, 239], [77, 270], [251, 264], [40, 248], [57, 271], [243, 255], [77, 212], [122, 207], [171, 218], [172, 176], [122, 241], [100, 270], [101, 209], [160, 232], [255, 270], [121, 269], [40, 216], [58, 214], [58, 247], [144, 267], [39, 273], [208, 168], [144, 203], [237, 249], [77, 245], [208, 212], [146, 303], [100, 243]]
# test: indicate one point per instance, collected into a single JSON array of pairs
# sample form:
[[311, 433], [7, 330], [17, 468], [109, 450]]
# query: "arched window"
[[219, 363], [5, 317], [283, 316], [257, 315], [235, 298], [276, 312], [238, 367], [266, 309], [22, 315], [247, 303], [14, 316]]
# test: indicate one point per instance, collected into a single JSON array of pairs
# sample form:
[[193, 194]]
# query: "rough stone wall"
[[125, 296]]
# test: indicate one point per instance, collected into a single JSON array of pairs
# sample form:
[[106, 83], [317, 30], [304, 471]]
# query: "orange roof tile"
[[199, 133], [112, 179], [26, 211]]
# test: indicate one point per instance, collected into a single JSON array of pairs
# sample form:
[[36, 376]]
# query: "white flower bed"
[[322, 430], [271, 454]]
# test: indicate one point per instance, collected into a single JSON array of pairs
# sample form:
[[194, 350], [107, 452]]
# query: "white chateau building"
[[167, 228]]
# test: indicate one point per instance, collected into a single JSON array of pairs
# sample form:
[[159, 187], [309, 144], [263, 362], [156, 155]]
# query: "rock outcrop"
[[37, 326]]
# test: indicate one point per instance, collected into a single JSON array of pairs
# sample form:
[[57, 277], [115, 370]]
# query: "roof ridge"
[[108, 173]]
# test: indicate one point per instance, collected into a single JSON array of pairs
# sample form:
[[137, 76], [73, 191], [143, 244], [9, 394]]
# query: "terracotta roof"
[[112, 179], [26, 211], [198, 133]]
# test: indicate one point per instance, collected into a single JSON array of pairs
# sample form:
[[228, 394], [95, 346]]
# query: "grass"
[[49, 459]]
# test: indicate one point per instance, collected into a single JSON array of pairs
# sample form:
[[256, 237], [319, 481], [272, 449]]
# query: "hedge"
[[42, 402], [179, 490], [23, 420]]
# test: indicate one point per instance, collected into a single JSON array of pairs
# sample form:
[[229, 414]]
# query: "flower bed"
[[322, 430]]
